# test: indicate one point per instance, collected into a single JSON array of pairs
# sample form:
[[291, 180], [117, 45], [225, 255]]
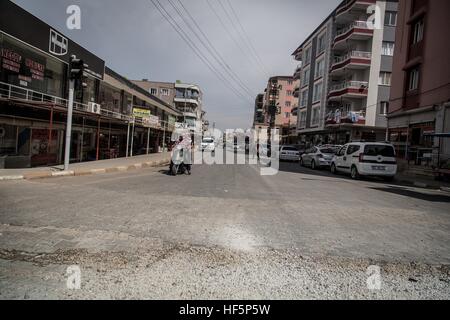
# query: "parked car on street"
[[318, 157], [366, 159], [289, 153]]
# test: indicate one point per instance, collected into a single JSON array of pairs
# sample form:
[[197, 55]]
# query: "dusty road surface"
[[224, 232]]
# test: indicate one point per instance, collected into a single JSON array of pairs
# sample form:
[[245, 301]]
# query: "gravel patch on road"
[[189, 272]]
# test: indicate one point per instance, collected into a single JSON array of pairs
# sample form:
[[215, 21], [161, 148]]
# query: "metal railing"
[[353, 54], [355, 24], [349, 84]]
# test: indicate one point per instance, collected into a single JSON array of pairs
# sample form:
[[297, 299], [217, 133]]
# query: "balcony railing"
[[349, 85], [9, 91], [348, 4], [357, 58], [352, 117], [353, 54], [354, 25]]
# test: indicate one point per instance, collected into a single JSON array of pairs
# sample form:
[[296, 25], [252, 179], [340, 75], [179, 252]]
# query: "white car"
[[208, 144], [366, 159], [289, 153]]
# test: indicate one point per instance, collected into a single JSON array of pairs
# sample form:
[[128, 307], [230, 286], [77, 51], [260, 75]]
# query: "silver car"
[[289, 153], [318, 157]]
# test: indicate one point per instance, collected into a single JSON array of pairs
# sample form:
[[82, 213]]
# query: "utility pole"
[[76, 70]]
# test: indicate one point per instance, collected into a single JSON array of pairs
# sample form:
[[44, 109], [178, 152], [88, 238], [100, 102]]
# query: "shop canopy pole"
[[148, 140], [50, 129], [98, 140], [164, 136], [132, 137], [128, 140]]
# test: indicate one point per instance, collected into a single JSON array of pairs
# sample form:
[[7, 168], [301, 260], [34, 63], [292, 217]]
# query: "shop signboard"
[[141, 113]]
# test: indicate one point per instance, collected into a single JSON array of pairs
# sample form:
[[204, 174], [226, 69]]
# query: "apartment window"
[[390, 18], [418, 31], [287, 114], [414, 76], [288, 104], [319, 68], [305, 78], [307, 58], [153, 91], [384, 107], [304, 98], [387, 48], [302, 121], [315, 116], [317, 95], [321, 44], [289, 93], [385, 78], [165, 92], [290, 82]]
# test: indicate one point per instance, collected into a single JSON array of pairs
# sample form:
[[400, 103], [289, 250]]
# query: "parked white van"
[[366, 159]]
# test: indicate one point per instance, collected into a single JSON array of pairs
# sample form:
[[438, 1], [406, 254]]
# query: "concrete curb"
[[75, 173]]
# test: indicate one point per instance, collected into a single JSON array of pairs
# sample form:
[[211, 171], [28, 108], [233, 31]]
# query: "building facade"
[[108, 121], [345, 74], [420, 92], [165, 91]]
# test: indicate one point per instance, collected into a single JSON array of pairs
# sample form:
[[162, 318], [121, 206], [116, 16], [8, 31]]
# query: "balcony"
[[350, 8], [352, 60], [294, 111], [351, 117], [297, 73], [357, 30], [348, 89], [298, 54], [296, 91]]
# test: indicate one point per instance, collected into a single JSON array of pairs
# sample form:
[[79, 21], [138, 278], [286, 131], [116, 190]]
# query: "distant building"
[[165, 91], [420, 91]]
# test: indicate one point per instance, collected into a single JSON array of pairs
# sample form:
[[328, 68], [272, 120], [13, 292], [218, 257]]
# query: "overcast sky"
[[136, 41]]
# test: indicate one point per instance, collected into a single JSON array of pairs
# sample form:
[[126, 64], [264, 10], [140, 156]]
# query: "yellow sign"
[[141, 113]]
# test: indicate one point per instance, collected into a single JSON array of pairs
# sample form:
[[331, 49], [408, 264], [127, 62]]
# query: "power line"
[[246, 36], [224, 64], [233, 24], [166, 15], [207, 47], [232, 37]]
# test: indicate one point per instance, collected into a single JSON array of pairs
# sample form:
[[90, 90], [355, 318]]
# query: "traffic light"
[[77, 67]]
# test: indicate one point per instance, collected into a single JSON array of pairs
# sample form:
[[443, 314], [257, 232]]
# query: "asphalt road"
[[223, 232]]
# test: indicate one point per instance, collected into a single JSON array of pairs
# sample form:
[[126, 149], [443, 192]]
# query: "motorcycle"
[[178, 165]]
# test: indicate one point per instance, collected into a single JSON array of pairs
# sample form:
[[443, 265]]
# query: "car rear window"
[[289, 149], [208, 140], [328, 150], [379, 150]]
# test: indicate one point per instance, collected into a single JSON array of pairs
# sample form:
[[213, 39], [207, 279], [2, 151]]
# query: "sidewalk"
[[88, 168], [422, 182]]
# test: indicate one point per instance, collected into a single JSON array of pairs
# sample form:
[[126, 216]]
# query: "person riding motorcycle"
[[181, 156]]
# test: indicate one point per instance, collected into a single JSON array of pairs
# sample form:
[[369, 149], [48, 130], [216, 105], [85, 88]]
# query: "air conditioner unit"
[[94, 108]]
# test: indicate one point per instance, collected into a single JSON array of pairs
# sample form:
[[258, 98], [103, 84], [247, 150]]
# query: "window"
[[304, 98], [390, 18], [165, 92], [384, 108], [385, 78], [352, 149], [153, 91], [288, 103], [319, 68], [317, 95], [418, 31], [302, 122], [388, 48], [290, 82], [414, 75], [305, 78], [307, 58], [287, 114], [315, 116], [321, 43], [289, 93]]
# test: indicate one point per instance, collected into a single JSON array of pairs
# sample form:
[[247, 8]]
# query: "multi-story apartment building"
[[420, 93], [112, 117], [162, 90], [279, 100], [258, 118], [186, 98], [345, 73]]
